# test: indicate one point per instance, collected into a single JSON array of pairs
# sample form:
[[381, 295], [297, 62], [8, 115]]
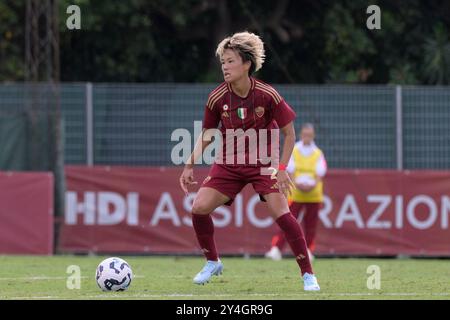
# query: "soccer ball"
[[305, 179], [114, 274]]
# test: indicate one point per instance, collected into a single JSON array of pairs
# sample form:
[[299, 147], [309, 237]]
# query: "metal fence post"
[[89, 125], [399, 126]]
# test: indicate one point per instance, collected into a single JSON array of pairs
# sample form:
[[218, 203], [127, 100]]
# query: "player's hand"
[[285, 184], [187, 179]]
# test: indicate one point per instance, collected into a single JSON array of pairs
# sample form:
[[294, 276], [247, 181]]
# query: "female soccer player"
[[243, 102]]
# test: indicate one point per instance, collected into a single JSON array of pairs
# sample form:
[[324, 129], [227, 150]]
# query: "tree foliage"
[[307, 41]]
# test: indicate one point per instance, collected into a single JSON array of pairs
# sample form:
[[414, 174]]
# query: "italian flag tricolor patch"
[[242, 113]]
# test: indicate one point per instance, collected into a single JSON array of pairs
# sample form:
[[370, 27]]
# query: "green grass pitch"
[[161, 278]]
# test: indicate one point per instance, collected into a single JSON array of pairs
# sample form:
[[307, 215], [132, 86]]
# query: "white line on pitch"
[[49, 278], [176, 295]]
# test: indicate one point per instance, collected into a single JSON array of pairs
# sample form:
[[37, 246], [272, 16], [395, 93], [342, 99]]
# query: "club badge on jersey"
[[259, 111]]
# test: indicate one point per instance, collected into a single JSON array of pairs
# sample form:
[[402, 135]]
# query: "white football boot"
[[211, 268], [310, 282], [274, 253]]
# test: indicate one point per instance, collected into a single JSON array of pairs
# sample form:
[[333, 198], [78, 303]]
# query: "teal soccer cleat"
[[211, 268], [310, 282]]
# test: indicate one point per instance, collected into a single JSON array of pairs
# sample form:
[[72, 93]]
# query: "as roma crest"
[[259, 111]]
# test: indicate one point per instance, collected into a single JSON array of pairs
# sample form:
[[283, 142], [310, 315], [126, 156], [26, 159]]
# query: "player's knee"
[[200, 208]]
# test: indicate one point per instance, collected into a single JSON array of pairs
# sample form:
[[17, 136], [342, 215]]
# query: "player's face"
[[307, 135], [233, 68]]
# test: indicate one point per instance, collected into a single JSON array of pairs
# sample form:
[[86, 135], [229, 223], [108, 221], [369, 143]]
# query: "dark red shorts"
[[230, 180]]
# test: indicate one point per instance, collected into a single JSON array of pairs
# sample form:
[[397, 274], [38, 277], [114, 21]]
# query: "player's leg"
[[296, 208], [310, 220], [220, 187], [206, 201], [276, 246], [277, 206], [279, 240]]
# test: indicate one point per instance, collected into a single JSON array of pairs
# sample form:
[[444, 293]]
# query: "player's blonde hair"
[[248, 45]]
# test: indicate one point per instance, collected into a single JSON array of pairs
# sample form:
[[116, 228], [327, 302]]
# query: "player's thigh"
[[207, 200], [277, 204]]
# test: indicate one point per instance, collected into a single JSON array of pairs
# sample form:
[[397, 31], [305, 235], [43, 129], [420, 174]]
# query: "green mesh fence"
[[132, 123], [426, 125]]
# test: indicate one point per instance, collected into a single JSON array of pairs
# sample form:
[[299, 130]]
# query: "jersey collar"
[[252, 87]]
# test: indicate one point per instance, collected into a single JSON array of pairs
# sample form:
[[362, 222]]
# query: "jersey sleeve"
[[283, 113], [211, 118]]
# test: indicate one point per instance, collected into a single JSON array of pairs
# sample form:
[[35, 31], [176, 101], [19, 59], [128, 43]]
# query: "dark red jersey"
[[262, 108]]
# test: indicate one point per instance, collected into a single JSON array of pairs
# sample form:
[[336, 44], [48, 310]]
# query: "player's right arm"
[[211, 120], [187, 177]]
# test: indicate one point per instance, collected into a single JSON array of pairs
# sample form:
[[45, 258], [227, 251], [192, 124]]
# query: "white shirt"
[[307, 150]]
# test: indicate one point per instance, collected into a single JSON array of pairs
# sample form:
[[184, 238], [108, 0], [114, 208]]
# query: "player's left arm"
[[284, 181], [284, 116], [288, 132]]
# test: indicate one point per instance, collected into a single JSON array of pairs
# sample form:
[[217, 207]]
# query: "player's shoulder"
[[268, 90], [216, 94]]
